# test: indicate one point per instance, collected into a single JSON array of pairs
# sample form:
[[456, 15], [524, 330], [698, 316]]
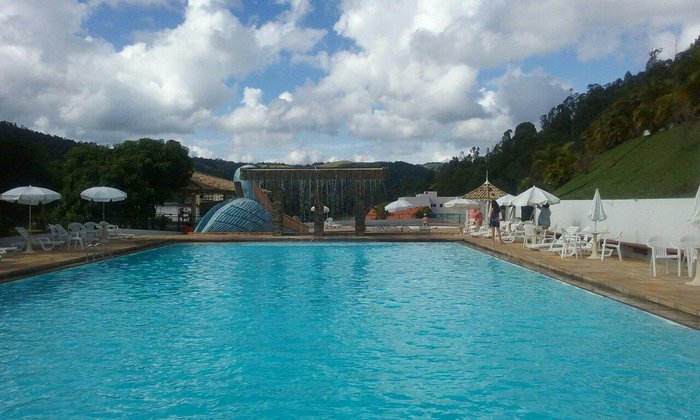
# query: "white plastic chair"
[[77, 235], [530, 234], [607, 249], [660, 246], [570, 242], [686, 247]]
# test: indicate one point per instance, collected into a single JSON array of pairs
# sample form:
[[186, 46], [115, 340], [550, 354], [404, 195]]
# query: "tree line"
[[149, 170]]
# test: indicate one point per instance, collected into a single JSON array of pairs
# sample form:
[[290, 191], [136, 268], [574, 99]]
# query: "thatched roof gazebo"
[[201, 184], [485, 191]]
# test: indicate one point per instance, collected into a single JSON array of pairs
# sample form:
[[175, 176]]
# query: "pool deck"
[[628, 281]]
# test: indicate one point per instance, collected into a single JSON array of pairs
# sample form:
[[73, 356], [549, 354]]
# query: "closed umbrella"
[[31, 196], [695, 212], [103, 195], [398, 205], [534, 197], [597, 213]]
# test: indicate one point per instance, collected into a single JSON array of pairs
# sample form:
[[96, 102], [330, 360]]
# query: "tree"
[[150, 171], [85, 166]]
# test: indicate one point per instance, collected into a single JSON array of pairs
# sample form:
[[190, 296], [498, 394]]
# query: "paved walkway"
[[628, 281]]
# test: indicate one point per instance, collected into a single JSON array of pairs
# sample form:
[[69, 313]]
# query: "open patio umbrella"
[[461, 203], [597, 213], [398, 205], [103, 195], [534, 197], [325, 209], [30, 195], [505, 200]]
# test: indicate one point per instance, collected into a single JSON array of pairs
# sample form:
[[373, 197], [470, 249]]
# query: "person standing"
[[478, 218], [495, 221], [543, 220]]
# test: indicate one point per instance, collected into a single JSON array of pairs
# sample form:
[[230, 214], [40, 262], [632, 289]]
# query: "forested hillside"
[[585, 125]]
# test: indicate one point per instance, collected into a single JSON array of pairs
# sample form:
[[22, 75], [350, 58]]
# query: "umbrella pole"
[[103, 211], [29, 225]]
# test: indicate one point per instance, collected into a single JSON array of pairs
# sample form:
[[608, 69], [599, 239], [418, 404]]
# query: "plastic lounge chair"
[[607, 249], [114, 232], [59, 234], [688, 252], [549, 240], [7, 249], [660, 247], [330, 224], [45, 243]]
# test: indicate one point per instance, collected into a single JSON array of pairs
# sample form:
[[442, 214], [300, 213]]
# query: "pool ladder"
[[95, 250]]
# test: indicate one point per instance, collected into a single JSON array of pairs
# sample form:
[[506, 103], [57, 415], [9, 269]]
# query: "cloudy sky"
[[302, 81]]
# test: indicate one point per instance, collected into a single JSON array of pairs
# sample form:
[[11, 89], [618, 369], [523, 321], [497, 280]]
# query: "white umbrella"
[[31, 196], [103, 195], [325, 209], [398, 205], [597, 213], [463, 203], [505, 200], [534, 197]]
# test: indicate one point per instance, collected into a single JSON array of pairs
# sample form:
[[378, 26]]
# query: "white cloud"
[[527, 96], [196, 151], [168, 84], [408, 86]]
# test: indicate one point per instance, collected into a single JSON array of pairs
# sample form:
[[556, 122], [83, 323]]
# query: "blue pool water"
[[339, 330]]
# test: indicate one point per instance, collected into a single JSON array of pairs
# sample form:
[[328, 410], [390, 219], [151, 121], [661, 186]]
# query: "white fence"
[[637, 219]]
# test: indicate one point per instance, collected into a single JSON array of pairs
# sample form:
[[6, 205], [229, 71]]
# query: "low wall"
[[637, 219]]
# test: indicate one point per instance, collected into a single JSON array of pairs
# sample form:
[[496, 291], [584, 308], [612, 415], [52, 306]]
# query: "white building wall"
[[638, 219]]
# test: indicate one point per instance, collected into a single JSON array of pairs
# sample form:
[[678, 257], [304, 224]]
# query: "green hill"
[[663, 165]]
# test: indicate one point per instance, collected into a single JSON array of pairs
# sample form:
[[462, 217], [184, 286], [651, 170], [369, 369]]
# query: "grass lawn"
[[663, 165]]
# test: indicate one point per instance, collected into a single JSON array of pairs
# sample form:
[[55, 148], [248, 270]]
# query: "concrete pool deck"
[[628, 281]]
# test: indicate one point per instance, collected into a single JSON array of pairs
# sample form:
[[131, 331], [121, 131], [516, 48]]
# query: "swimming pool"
[[357, 330]]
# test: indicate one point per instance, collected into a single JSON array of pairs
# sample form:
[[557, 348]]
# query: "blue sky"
[[303, 81]]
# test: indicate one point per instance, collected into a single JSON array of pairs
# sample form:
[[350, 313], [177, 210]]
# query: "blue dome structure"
[[239, 214]]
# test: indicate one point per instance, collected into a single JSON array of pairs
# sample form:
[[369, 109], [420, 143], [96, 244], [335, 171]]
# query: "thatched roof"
[[202, 183], [486, 191]]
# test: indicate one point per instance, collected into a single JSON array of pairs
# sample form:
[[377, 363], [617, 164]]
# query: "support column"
[[193, 209], [360, 213], [318, 214], [277, 210]]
